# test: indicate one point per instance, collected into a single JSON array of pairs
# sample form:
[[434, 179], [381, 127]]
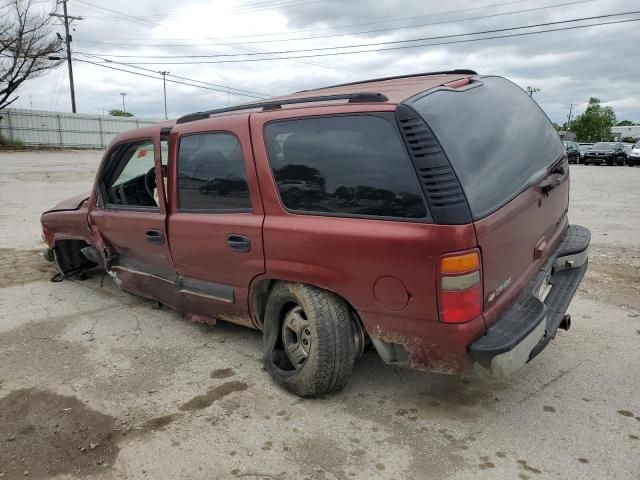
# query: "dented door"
[[128, 217]]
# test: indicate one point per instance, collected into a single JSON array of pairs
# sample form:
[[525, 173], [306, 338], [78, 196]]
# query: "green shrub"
[[10, 143]]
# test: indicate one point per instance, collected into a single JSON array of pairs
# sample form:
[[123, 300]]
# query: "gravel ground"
[[97, 383]]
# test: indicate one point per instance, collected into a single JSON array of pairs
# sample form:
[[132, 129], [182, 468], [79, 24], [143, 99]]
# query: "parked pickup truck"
[[424, 214]]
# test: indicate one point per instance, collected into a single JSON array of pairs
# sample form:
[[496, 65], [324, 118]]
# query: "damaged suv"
[[425, 215]]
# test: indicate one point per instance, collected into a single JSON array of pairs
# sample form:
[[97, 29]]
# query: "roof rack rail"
[[359, 97], [461, 71]]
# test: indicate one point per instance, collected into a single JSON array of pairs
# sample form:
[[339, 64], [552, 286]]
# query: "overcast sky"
[[567, 66]]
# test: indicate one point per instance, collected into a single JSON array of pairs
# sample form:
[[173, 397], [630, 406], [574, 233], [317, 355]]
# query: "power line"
[[124, 15], [332, 67], [225, 87], [272, 5], [308, 62], [379, 30], [375, 44], [159, 78], [323, 65], [116, 15], [403, 47], [340, 27]]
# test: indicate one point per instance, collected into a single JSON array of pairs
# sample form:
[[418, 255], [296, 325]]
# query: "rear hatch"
[[512, 167]]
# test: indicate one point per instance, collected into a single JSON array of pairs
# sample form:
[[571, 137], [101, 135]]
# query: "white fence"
[[58, 129]]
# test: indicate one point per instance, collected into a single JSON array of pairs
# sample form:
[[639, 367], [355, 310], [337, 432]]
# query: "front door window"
[[129, 180]]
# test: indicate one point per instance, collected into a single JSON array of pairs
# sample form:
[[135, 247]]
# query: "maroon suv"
[[424, 214]]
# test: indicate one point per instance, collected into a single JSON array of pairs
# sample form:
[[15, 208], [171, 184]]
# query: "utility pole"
[[124, 94], [66, 21], [532, 90], [164, 87], [569, 116]]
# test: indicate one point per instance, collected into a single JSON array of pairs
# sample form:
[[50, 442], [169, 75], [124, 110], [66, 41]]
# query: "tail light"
[[460, 287]]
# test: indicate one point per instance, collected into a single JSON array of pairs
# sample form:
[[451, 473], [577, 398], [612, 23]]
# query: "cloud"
[[567, 66]]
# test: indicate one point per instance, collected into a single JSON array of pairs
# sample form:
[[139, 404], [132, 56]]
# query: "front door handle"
[[154, 236], [238, 243]]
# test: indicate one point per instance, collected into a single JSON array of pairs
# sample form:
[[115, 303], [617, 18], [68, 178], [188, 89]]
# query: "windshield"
[[603, 146], [637, 145]]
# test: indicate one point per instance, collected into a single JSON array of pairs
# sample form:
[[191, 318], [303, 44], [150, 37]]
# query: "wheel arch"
[[68, 253], [261, 287]]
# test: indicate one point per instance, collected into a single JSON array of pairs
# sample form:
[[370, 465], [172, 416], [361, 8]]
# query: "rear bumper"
[[528, 326]]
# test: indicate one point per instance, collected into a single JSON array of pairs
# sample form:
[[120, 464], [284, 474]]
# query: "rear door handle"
[[154, 236], [238, 243]]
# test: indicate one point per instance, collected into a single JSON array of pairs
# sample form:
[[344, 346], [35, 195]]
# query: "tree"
[[594, 125], [119, 113], [26, 42], [625, 123]]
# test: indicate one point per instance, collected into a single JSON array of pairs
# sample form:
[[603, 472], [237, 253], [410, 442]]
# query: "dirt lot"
[[97, 383]]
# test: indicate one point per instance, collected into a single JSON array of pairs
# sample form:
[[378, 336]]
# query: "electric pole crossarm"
[[70, 17]]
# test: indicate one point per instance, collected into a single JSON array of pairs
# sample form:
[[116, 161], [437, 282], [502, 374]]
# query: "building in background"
[[632, 131], [567, 136]]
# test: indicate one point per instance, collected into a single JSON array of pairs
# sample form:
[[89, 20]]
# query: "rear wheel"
[[310, 342]]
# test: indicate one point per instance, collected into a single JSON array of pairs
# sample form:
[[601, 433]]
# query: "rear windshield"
[[498, 140]]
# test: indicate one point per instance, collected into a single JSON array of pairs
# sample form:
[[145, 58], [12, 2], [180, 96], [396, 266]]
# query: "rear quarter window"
[[343, 165], [498, 140]]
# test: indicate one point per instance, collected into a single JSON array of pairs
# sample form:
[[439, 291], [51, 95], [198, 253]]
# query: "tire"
[[296, 313]]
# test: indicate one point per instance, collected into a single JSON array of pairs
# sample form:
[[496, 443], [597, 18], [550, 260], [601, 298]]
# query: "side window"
[[129, 179], [212, 173], [348, 165]]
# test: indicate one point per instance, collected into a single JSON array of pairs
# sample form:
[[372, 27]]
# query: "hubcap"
[[296, 336]]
